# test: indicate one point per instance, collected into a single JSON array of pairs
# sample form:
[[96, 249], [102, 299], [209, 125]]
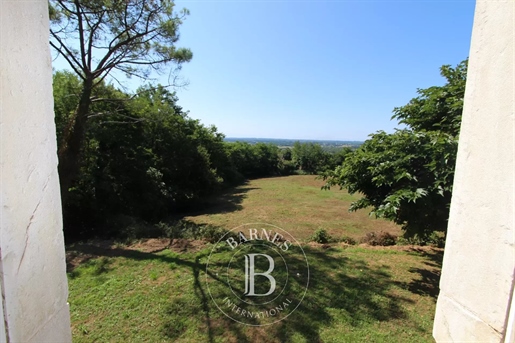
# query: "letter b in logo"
[[250, 274]]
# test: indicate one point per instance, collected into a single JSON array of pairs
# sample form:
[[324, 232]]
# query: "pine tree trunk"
[[70, 147]]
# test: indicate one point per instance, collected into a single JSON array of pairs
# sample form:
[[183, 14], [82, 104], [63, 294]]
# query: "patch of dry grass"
[[296, 204]]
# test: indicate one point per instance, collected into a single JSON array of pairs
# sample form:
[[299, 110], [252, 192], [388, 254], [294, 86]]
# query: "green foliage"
[[312, 158], [347, 240], [190, 230], [286, 154], [143, 158], [321, 236], [338, 157], [407, 176], [435, 239], [254, 160], [287, 167], [184, 153], [379, 238], [98, 38], [437, 108], [126, 229], [309, 157], [134, 37]]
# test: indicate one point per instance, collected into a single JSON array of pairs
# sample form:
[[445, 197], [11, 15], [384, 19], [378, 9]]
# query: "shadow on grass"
[[340, 289], [228, 200], [428, 279]]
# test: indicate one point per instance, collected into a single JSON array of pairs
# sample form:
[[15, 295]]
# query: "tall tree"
[[407, 176], [158, 163], [97, 37]]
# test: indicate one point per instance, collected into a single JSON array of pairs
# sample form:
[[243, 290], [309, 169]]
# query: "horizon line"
[[297, 139]]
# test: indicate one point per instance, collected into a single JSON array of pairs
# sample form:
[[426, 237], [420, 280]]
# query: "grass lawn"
[[147, 293], [294, 203]]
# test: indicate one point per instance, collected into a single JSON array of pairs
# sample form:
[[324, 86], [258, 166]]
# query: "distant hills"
[[280, 142]]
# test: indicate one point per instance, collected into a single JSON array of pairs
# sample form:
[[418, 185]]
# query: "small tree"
[[309, 157], [407, 176], [97, 37]]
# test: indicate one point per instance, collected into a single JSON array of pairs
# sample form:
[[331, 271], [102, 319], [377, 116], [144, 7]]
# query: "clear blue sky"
[[315, 69]]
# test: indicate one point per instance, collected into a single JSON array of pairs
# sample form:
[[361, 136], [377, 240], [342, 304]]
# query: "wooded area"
[[140, 154]]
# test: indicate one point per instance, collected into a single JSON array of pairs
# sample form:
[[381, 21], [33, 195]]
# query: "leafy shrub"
[[321, 236], [129, 228], [435, 239], [379, 238], [404, 241], [212, 233], [407, 176], [190, 230], [348, 240], [167, 230]]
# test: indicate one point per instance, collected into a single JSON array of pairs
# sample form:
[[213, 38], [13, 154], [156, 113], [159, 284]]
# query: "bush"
[[168, 230], [190, 230], [129, 228], [405, 241], [379, 238], [435, 239], [321, 236], [348, 240], [211, 233]]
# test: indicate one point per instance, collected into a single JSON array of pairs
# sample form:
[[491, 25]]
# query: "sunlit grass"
[[356, 293], [296, 204]]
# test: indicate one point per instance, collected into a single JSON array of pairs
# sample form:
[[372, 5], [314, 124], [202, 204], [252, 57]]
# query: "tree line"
[[141, 154], [144, 156]]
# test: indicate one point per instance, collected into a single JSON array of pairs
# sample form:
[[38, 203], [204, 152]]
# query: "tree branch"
[[81, 38], [67, 59]]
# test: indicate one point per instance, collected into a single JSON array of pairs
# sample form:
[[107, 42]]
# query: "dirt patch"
[[184, 245], [80, 253], [321, 245], [74, 259], [151, 245]]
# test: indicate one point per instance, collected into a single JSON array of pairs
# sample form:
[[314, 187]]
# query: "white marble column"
[[32, 260], [479, 260]]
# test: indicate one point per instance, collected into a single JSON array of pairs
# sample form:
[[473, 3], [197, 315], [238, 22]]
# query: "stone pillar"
[[32, 260], [479, 261]]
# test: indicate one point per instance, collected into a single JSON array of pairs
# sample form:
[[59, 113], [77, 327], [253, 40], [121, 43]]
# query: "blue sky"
[[315, 69]]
